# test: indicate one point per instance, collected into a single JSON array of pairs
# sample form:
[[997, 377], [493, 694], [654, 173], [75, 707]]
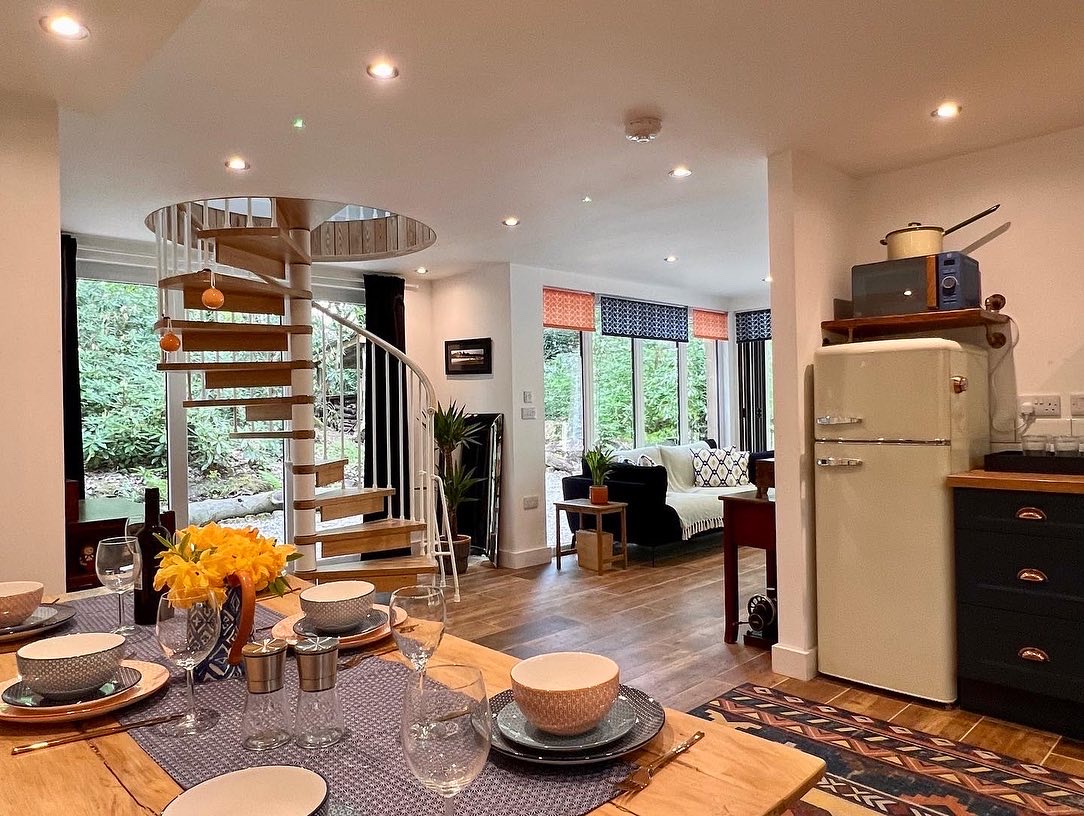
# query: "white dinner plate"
[[271, 790]]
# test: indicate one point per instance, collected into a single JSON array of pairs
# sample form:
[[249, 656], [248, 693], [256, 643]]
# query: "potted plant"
[[599, 461], [451, 432]]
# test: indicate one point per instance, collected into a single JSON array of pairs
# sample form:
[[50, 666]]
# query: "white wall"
[[31, 413], [811, 208], [1031, 250]]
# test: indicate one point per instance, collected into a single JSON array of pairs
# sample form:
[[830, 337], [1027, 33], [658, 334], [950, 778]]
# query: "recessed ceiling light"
[[421, 270], [670, 259], [298, 123], [586, 199], [65, 26], [511, 221], [907, 293], [946, 110], [382, 70], [681, 171], [237, 163]]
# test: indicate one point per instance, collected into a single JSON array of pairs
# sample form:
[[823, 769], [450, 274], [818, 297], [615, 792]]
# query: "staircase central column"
[[302, 451]]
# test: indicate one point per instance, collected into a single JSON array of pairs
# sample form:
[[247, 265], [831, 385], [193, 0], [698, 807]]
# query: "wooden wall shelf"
[[868, 328]]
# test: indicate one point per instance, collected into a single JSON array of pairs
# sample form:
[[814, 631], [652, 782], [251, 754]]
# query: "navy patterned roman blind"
[[750, 326], [648, 321]]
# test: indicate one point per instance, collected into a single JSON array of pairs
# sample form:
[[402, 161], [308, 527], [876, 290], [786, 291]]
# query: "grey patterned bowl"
[[18, 600], [339, 606], [565, 693], [69, 666]]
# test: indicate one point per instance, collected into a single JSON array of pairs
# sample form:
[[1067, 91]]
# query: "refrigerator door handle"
[[839, 420], [838, 461]]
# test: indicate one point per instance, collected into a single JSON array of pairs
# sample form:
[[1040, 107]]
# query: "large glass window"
[[612, 363], [564, 412], [659, 385], [123, 394], [697, 405]]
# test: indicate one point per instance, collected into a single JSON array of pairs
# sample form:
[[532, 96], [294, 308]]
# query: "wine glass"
[[418, 617], [189, 623], [446, 729], [117, 563]]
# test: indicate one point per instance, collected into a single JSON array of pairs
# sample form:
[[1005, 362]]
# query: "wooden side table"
[[747, 522], [584, 508]]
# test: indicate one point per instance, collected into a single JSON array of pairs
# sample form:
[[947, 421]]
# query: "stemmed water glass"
[[189, 623], [117, 563], [446, 729], [418, 617]]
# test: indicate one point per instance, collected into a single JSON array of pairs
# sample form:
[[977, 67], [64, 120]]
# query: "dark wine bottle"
[[146, 599]]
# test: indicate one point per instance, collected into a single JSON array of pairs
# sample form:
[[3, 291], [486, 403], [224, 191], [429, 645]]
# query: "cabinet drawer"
[[1026, 652], [1042, 514], [1032, 574]]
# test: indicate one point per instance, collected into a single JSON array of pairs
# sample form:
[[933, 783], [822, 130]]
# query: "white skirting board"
[[794, 662], [524, 558]]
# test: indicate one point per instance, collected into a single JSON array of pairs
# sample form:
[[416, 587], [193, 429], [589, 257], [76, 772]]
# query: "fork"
[[641, 777]]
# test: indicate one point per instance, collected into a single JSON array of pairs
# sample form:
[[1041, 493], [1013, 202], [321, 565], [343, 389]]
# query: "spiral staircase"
[[236, 306]]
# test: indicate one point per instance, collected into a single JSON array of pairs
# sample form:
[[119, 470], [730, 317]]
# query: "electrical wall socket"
[[1045, 405], [1076, 405], [530, 502], [528, 413]]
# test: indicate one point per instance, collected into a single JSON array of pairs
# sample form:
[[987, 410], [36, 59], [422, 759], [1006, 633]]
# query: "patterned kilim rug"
[[875, 767]]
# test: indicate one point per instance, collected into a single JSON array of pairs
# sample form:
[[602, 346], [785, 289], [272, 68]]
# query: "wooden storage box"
[[588, 552]]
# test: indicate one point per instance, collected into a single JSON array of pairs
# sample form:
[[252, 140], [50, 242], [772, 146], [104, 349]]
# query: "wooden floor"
[[664, 627]]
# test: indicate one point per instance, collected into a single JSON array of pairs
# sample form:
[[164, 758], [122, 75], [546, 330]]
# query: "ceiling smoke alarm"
[[643, 130]]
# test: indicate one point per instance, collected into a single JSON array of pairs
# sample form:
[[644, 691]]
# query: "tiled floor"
[[664, 626]]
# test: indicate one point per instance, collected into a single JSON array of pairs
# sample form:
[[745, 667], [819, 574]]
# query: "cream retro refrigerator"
[[892, 419]]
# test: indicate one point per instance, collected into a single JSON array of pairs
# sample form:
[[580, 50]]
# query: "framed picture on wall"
[[473, 356]]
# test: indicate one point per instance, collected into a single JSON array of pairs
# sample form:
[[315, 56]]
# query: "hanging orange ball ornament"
[[213, 298], [169, 342]]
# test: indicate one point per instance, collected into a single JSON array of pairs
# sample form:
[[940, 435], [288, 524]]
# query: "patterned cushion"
[[646, 461], [721, 467]]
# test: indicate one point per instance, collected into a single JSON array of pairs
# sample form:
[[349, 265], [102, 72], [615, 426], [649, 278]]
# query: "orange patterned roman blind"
[[566, 309], [709, 325]]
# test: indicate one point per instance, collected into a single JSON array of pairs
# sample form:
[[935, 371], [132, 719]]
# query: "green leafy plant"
[[599, 461], [452, 431], [458, 482]]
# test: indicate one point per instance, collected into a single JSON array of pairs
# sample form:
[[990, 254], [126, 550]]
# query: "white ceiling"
[[519, 108]]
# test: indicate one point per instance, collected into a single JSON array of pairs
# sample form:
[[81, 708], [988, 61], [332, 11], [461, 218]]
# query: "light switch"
[[530, 502], [528, 397], [528, 413]]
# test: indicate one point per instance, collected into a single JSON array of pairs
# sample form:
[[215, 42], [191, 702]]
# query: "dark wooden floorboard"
[[663, 625]]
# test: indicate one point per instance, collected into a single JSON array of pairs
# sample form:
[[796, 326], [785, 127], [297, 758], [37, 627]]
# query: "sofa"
[[665, 505]]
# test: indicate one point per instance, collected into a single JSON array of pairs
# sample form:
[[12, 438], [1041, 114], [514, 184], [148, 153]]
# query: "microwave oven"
[[948, 280]]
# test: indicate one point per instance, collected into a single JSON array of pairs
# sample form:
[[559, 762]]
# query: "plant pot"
[[461, 548], [600, 494]]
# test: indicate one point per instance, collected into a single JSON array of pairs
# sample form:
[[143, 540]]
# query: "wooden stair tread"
[[273, 435], [326, 472], [216, 327], [226, 402], [366, 529], [230, 285], [254, 365], [344, 502], [372, 568], [272, 243]]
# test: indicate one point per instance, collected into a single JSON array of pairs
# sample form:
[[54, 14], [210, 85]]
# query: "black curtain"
[[752, 333], [69, 339], [385, 385]]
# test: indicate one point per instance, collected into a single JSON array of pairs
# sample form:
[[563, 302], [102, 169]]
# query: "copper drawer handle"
[[1031, 514], [1032, 575], [1034, 654]]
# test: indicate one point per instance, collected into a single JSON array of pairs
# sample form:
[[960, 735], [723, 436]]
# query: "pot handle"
[[248, 615], [973, 218]]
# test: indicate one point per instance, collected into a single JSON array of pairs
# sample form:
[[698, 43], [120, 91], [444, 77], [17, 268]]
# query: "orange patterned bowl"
[[18, 600], [565, 693]]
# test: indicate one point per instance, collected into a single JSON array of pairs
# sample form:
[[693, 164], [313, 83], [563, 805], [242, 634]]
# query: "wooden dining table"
[[729, 772]]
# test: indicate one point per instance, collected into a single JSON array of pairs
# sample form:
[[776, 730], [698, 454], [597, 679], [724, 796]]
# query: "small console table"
[[584, 508]]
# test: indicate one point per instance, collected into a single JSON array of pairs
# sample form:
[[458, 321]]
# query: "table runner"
[[366, 773]]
